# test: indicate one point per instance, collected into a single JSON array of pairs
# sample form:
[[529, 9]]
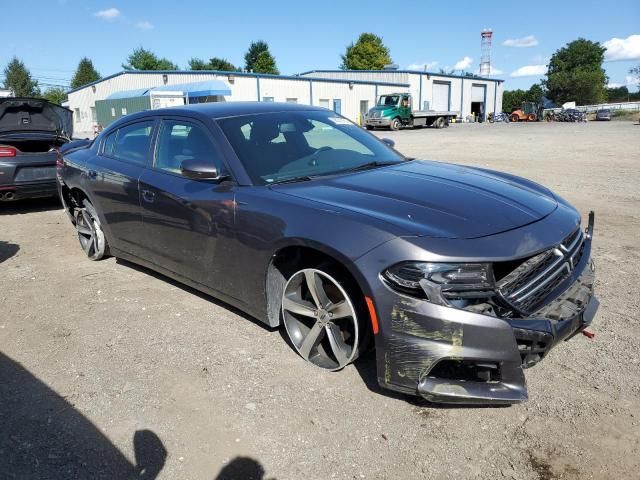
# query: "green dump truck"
[[394, 111]]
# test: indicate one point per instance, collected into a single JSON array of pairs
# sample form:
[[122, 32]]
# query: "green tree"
[[17, 78], [368, 53], [265, 63], [258, 59], [223, 65], [141, 59], [617, 94], [55, 95], [575, 73], [198, 64], [214, 63], [512, 99], [85, 73]]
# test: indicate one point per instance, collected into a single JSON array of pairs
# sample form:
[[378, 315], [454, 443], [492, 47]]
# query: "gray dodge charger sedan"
[[459, 277]]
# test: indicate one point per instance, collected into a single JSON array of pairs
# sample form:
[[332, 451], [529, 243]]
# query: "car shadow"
[[30, 205], [42, 436], [242, 468], [193, 291], [7, 250]]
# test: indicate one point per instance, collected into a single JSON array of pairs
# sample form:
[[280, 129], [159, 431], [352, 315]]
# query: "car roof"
[[231, 109]]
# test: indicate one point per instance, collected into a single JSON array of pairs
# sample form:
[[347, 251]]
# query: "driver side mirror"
[[201, 170], [389, 142]]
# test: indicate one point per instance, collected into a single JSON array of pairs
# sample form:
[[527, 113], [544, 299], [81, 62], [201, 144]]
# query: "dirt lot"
[[106, 368]]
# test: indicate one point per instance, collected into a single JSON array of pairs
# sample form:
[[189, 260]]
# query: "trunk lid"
[[32, 115]]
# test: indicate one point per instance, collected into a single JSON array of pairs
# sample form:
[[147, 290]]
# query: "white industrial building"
[[350, 93], [433, 91]]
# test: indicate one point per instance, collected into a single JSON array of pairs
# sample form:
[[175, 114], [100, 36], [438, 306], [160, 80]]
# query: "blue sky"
[[308, 35]]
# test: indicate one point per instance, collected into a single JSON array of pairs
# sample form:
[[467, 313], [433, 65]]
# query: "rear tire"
[[369, 127], [440, 122], [90, 234], [395, 124], [515, 118]]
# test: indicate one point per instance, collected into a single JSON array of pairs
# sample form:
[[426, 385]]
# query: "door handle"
[[92, 174], [148, 196]]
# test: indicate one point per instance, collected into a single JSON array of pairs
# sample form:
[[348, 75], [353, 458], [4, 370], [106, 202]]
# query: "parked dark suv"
[[31, 131], [462, 276]]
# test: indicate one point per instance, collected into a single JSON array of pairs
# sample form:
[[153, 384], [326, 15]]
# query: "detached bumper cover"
[[421, 335]]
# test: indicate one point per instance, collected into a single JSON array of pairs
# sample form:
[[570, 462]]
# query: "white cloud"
[[530, 71], [422, 66], [524, 42], [463, 64], [632, 81], [144, 25], [629, 81], [622, 48], [108, 14], [494, 71]]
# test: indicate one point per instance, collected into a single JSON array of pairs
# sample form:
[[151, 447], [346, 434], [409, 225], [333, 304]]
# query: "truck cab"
[[390, 111], [395, 110]]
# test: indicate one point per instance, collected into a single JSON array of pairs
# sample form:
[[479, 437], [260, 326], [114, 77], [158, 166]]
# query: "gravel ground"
[[109, 370]]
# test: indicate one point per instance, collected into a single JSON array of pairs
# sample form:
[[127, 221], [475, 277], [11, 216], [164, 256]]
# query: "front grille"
[[527, 287]]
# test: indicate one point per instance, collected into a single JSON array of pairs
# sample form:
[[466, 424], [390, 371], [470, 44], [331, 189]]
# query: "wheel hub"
[[320, 319]]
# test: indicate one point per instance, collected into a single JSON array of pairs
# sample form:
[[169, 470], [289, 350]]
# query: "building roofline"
[[241, 74], [418, 72]]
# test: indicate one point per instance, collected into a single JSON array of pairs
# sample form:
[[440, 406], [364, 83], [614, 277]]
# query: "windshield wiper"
[[303, 178], [367, 166]]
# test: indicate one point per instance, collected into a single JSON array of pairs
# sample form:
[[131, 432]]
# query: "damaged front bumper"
[[453, 356]]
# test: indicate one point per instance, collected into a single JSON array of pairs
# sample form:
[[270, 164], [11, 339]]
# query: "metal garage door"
[[441, 96], [477, 93]]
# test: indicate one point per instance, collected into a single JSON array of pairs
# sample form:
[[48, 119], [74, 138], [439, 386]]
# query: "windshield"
[[283, 146], [389, 100]]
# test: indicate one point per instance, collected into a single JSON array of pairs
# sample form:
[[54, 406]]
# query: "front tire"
[[321, 318], [395, 124], [515, 118], [90, 233]]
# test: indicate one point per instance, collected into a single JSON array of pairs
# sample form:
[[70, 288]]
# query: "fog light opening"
[[467, 371]]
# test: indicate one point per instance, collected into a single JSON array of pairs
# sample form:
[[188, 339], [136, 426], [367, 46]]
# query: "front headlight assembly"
[[459, 285]]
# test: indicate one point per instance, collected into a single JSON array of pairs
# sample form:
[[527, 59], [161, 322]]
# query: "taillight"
[[7, 152]]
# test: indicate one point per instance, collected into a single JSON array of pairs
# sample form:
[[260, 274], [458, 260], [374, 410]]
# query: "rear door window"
[[132, 143], [109, 143]]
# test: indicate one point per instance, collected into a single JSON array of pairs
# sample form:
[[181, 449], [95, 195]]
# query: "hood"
[[382, 110], [434, 199], [20, 115]]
